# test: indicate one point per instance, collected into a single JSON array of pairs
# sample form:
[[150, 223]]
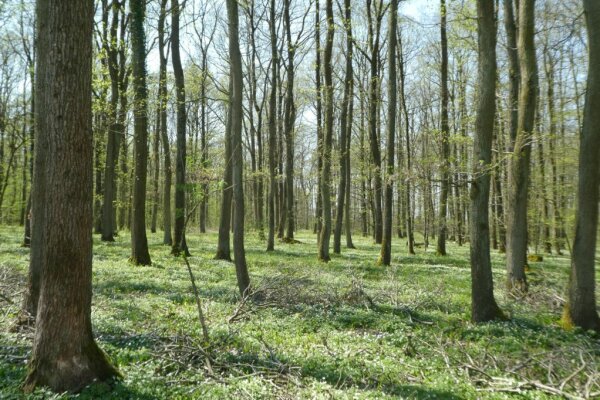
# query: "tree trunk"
[[203, 144], [516, 255], [580, 309], [272, 129], [65, 356], [408, 175], [483, 304], [289, 119], [345, 133], [319, 107], [236, 111], [223, 246], [445, 138], [139, 242], [374, 103], [385, 257], [347, 214], [179, 234], [363, 173], [114, 133], [325, 234]]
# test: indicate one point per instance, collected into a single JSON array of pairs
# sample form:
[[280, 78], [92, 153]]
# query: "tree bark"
[[580, 309], [325, 234], [483, 304], [516, 254], [445, 138], [179, 243], [289, 120], [236, 112], [114, 133], [374, 102], [164, 138], [65, 356], [408, 175], [345, 133], [223, 245], [139, 241], [385, 256], [319, 107], [272, 129]]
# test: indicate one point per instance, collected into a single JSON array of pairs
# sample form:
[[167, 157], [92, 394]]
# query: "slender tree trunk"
[[347, 214], [256, 130], [363, 173], [498, 183], [408, 175], [549, 68], [139, 242], [65, 356], [385, 256], [236, 112], [30, 299], [98, 189], [162, 104], [223, 246], [319, 205], [545, 227], [31, 67], [289, 120], [445, 138], [179, 243], [325, 234], [345, 133], [580, 309], [374, 103], [273, 129], [114, 133], [155, 168], [483, 304], [204, 144], [516, 255]]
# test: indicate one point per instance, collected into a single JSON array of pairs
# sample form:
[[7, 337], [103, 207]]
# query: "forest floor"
[[346, 329]]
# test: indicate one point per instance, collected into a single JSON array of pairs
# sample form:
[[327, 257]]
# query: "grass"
[[346, 329]]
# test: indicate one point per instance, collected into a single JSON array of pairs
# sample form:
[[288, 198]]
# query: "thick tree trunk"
[[445, 138], [65, 356], [179, 234], [325, 234], [580, 309], [235, 96], [516, 255], [483, 304], [139, 241]]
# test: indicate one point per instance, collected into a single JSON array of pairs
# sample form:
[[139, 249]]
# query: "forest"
[[299, 199]]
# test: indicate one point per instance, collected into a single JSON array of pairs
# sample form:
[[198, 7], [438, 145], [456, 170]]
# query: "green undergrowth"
[[348, 329]]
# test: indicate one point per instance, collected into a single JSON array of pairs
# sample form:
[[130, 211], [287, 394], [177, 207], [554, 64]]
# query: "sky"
[[418, 9]]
